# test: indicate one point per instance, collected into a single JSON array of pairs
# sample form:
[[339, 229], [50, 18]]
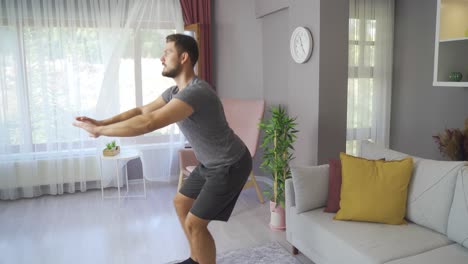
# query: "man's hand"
[[171, 112], [89, 126], [89, 120]]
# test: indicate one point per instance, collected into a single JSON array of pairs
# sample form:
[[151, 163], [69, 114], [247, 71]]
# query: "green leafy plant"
[[111, 145], [280, 134], [453, 143]]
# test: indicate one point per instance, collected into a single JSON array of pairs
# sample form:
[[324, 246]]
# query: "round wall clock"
[[301, 44]]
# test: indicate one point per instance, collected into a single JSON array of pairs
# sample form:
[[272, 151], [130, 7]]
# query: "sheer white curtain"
[[370, 71], [63, 58]]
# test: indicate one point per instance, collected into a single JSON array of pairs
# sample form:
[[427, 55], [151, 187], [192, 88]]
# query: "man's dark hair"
[[184, 43]]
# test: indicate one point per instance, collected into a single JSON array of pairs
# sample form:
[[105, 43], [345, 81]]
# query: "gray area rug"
[[271, 253]]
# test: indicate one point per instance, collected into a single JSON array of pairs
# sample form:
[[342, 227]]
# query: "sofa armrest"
[[310, 184], [289, 194], [289, 202]]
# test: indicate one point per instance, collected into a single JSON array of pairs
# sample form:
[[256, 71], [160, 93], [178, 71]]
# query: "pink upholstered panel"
[[243, 116], [186, 159]]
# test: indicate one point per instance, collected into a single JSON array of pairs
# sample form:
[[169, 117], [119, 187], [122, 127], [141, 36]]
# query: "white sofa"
[[437, 214]]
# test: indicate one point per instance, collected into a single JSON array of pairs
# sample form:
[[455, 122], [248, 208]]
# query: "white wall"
[[237, 53]]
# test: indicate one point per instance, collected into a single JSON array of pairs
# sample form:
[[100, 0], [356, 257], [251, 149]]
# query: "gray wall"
[[420, 110], [237, 53], [252, 60], [303, 85], [333, 79]]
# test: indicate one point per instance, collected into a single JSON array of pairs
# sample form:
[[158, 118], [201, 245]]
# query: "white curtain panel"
[[370, 71], [64, 58]]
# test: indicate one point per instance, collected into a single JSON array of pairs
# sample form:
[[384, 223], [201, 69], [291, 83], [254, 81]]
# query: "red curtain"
[[199, 11]]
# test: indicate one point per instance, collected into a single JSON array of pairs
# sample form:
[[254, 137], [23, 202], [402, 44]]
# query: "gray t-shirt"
[[207, 130]]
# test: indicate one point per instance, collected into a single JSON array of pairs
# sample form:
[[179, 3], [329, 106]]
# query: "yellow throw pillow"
[[374, 190]]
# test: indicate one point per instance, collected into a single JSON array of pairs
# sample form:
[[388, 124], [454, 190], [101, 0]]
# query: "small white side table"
[[125, 156]]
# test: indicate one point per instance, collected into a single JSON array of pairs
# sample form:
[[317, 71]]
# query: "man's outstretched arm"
[[172, 112], [155, 105]]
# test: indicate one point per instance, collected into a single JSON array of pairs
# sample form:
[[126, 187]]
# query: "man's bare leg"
[[182, 205], [202, 241]]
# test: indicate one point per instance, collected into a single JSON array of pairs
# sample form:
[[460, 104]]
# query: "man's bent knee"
[[182, 202], [196, 224]]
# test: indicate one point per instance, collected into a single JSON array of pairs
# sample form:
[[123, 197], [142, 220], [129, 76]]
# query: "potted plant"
[[279, 136], [111, 149], [453, 143]]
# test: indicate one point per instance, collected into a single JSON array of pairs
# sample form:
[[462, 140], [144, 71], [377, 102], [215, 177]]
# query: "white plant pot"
[[275, 219]]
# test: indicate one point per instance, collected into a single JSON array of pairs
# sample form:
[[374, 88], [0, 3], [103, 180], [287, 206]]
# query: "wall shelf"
[[451, 43], [451, 84], [454, 39]]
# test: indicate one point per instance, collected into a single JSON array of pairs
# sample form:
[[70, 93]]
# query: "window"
[[140, 78], [61, 59], [361, 64], [66, 53]]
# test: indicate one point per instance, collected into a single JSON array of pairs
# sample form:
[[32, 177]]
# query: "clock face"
[[301, 44]]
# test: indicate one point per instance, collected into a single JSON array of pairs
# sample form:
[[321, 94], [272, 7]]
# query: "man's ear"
[[185, 57]]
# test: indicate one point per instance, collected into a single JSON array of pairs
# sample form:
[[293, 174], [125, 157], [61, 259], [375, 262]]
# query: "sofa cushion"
[[374, 190], [334, 186], [457, 228], [451, 254], [310, 186], [431, 187], [431, 193], [327, 241]]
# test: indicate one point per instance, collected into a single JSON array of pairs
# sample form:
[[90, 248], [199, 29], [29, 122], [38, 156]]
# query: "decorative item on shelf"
[[280, 134], [453, 143], [455, 76], [111, 149]]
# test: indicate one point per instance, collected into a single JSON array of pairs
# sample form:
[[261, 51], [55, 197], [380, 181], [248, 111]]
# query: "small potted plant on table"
[[111, 149]]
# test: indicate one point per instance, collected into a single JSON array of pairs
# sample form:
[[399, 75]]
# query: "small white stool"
[[125, 155]]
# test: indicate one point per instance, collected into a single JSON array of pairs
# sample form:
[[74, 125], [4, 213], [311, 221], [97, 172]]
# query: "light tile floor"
[[83, 228]]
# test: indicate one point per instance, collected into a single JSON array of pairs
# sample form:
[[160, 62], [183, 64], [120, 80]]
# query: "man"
[[212, 189]]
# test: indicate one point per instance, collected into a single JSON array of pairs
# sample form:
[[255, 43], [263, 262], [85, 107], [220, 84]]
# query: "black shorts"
[[216, 190]]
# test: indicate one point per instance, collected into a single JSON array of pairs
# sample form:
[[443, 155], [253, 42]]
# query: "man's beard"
[[171, 73]]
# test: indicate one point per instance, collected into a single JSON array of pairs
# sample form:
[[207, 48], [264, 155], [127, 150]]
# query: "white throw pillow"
[[457, 229], [310, 187]]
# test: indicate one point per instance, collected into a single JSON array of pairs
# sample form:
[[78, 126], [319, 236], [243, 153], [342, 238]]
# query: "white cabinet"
[[451, 42]]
